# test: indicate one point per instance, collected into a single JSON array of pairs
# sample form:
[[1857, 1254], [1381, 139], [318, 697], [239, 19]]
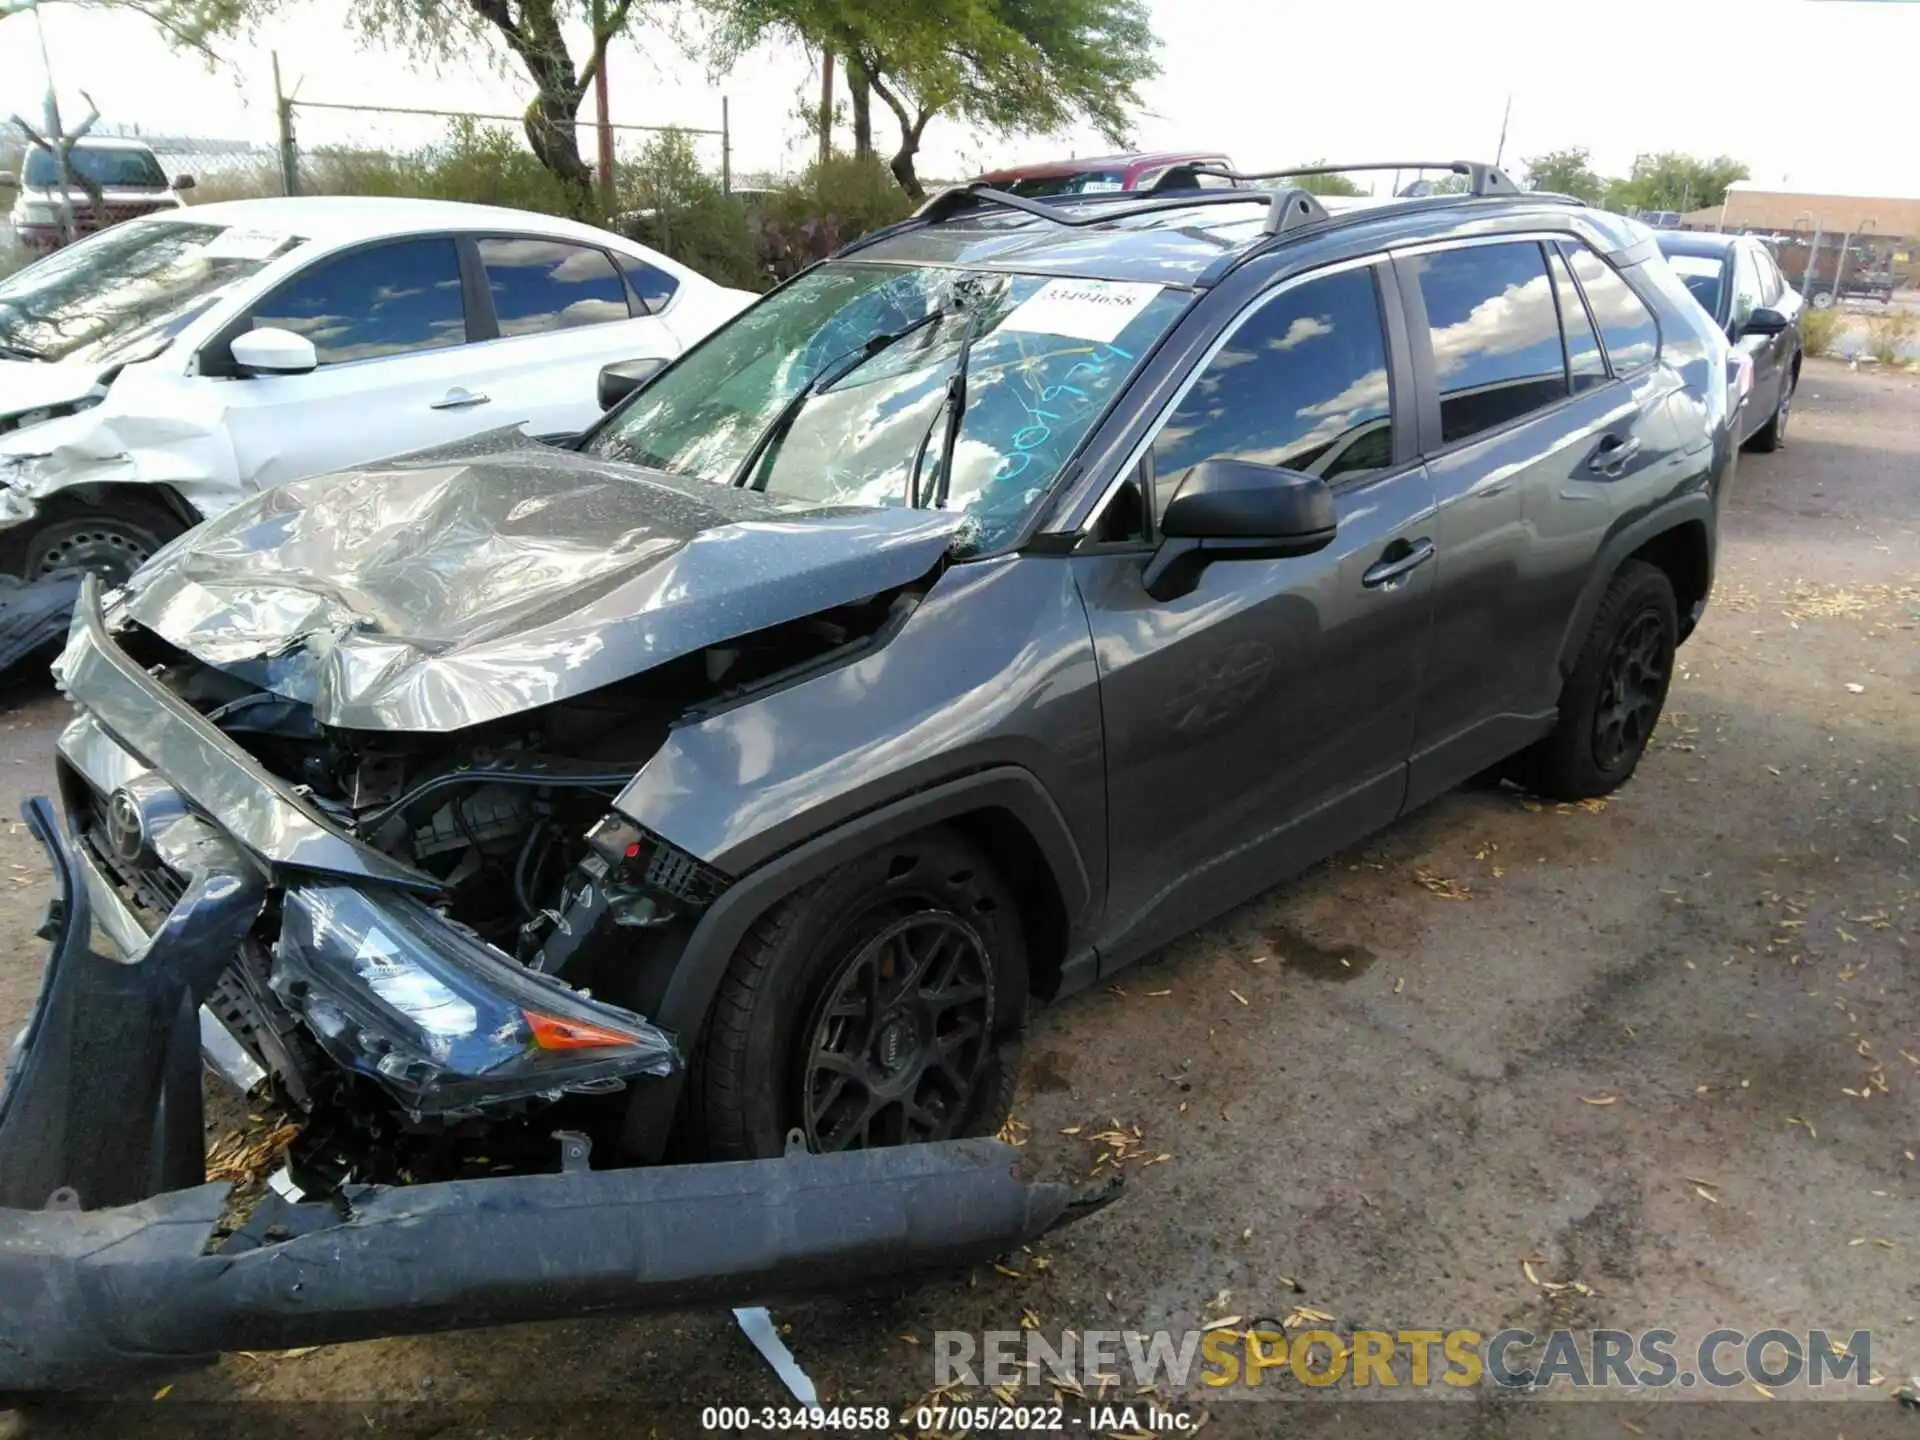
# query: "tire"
[[111, 543], [1772, 435], [793, 1040], [1612, 700], [1823, 299]]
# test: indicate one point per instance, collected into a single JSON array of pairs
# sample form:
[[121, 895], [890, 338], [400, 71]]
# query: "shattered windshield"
[[1045, 358], [127, 289]]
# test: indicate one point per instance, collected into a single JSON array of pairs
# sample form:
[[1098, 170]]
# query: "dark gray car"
[[1737, 283], [977, 612]]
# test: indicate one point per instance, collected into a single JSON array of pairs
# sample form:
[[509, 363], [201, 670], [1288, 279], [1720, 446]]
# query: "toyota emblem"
[[126, 827]]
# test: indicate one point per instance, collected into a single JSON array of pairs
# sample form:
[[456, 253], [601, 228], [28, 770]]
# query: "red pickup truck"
[[1095, 174]]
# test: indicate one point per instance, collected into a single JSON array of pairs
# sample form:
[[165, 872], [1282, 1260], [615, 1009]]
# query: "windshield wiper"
[[828, 375], [19, 352], [954, 407]]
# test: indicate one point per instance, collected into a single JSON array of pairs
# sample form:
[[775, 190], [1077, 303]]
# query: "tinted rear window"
[[544, 285], [1626, 325], [1495, 334], [1087, 182]]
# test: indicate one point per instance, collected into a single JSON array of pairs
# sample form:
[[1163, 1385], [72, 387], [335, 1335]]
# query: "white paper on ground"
[[1082, 309]]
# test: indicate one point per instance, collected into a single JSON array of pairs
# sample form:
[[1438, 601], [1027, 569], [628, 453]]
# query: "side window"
[[1586, 363], [653, 285], [1301, 384], [539, 286], [1495, 333], [384, 300], [1770, 282], [1626, 325]]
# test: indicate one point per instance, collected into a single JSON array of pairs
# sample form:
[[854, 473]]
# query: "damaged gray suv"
[[980, 610]]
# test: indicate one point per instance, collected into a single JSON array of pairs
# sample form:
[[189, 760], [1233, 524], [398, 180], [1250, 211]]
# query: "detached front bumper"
[[33, 614], [108, 1256]]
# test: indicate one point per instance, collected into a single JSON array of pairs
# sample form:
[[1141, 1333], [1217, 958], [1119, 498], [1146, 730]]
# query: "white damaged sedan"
[[158, 372]]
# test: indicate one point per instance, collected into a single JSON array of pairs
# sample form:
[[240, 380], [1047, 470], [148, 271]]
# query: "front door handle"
[[1614, 453], [459, 398], [1401, 558]]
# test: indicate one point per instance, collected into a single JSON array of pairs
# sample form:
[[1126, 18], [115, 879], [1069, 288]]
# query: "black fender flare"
[[703, 962], [696, 978], [1694, 506]]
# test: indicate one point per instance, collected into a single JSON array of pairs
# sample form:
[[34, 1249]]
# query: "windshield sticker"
[[1082, 309], [235, 244]]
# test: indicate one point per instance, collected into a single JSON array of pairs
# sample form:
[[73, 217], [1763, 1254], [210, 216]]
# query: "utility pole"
[[826, 103], [283, 117], [69, 230], [603, 43], [1813, 263]]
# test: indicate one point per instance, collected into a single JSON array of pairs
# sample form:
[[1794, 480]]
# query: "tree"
[[187, 24], [1006, 66], [534, 34], [1567, 172], [1324, 184], [1675, 181], [533, 31]]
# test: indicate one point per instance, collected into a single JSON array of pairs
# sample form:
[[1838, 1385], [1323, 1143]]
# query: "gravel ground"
[[1665, 1046]]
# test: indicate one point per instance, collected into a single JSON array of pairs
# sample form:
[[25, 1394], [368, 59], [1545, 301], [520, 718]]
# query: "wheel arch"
[[1677, 539], [1004, 811], [71, 502]]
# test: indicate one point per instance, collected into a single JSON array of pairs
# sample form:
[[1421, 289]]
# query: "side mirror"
[[183, 182], [273, 351], [1765, 320], [8, 181], [623, 377], [1237, 510]]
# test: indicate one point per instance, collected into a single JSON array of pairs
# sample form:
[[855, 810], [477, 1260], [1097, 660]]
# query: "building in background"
[[1882, 233]]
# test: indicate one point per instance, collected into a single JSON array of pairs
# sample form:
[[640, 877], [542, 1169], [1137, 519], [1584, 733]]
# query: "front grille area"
[[148, 886], [86, 219]]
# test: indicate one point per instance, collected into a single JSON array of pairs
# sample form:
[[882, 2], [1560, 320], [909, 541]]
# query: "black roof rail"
[[1287, 209], [1482, 179]]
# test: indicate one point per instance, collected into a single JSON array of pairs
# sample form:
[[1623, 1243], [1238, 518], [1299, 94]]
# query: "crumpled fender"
[[186, 448]]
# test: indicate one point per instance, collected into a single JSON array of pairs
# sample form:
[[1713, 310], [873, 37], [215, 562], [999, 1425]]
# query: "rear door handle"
[[1401, 559], [459, 398], [1614, 453]]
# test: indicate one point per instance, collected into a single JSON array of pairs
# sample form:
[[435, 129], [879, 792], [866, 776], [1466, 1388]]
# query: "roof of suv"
[[1158, 238]]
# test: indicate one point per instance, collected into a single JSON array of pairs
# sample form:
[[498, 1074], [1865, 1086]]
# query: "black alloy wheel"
[[898, 1043], [1632, 690]]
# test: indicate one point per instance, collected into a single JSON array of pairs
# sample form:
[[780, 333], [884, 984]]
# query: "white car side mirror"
[[272, 351]]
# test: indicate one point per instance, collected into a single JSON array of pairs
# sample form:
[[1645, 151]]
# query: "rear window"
[[1086, 182], [1495, 332], [539, 286], [1627, 327]]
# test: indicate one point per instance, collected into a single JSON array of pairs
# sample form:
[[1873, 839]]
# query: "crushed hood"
[[480, 580]]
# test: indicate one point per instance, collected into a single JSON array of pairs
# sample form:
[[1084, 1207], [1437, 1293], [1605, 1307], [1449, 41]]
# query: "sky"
[[1271, 84]]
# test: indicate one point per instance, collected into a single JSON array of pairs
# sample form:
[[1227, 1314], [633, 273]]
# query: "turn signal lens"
[[551, 1032]]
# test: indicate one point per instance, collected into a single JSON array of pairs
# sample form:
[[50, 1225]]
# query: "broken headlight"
[[446, 1022]]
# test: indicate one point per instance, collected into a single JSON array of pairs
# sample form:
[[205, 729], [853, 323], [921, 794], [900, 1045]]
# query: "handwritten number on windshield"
[[1032, 437]]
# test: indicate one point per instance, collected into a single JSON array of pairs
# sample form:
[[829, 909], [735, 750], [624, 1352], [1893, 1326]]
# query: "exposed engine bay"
[[511, 828]]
